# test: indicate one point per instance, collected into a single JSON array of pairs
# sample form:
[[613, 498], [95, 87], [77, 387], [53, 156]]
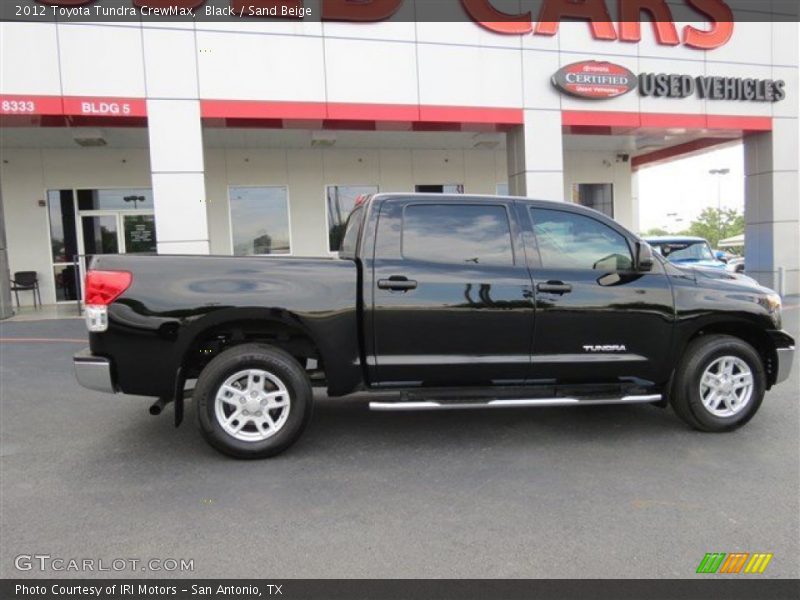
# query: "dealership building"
[[255, 137]]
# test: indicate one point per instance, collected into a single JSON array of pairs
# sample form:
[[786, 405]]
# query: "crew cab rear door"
[[451, 294], [597, 318]]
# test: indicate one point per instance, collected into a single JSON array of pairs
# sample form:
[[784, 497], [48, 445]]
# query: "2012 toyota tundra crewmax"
[[453, 302]]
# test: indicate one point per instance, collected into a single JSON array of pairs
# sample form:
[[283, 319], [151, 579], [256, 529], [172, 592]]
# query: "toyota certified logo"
[[595, 80]]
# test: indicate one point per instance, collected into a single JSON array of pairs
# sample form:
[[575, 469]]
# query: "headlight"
[[774, 303]]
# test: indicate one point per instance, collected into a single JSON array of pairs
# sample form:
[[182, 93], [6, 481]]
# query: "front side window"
[[259, 220], [457, 234], [571, 241], [341, 200]]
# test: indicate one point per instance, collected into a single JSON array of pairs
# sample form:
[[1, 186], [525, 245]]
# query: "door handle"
[[554, 287], [397, 283]]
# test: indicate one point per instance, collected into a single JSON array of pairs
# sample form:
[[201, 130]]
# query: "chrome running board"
[[510, 403]]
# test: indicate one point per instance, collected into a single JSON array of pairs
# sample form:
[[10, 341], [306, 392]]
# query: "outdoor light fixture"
[[487, 141], [135, 200], [323, 139], [89, 138]]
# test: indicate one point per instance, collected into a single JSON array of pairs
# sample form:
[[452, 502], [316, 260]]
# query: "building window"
[[120, 199], [599, 196], [63, 243], [460, 234], [341, 199], [259, 220]]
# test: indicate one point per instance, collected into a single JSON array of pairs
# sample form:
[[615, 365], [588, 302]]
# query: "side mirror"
[[644, 256], [721, 256]]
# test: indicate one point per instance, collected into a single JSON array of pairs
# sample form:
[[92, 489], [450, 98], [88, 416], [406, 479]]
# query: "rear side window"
[[568, 240], [457, 234]]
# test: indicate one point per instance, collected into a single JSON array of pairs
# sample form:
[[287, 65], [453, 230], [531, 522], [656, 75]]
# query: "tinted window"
[[457, 233], [572, 241]]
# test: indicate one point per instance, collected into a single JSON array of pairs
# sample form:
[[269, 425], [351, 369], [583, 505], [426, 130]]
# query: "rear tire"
[[719, 385], [253, 401]]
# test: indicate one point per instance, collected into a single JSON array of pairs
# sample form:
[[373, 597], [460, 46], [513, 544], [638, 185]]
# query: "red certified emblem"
[[595, 80]]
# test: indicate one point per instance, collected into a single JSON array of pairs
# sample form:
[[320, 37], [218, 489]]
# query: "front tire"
[[253, 401], [719, 385]]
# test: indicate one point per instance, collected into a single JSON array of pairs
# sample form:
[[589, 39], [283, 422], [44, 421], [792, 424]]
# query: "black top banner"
[[520, 13]]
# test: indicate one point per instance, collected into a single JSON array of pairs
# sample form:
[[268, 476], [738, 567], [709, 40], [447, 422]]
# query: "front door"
[[596, 317], [451, 295]]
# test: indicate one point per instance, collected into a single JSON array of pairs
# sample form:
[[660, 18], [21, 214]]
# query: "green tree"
[[655, 232], [715, 225]]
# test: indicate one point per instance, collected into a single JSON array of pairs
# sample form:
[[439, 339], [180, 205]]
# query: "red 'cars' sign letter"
[[359, 10], [631, 27], [169, 3], [593, 10], [721, 31], [65, 2], [491, 18]]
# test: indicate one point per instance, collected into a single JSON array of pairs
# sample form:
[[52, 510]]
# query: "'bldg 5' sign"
[[625, 27]]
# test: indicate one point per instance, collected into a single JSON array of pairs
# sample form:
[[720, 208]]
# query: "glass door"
[[100, 233], [139, 233]]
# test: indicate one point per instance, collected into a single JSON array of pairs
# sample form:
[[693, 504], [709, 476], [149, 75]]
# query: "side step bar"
[[510, 403]]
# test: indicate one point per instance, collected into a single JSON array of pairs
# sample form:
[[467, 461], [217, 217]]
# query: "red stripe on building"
[[256, 109], [83, 106], [91, 106], [20, 105], [340, 111], [680, 150], [580, 118]]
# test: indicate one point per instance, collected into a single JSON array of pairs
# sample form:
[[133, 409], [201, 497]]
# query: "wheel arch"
[[218, 331], [748, 332]]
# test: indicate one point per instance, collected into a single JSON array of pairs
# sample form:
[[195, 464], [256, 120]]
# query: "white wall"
[[602, 167], [306, 173], [27, 174]]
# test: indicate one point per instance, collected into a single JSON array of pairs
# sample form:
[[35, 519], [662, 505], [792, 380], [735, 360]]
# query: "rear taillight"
[[101, 289]]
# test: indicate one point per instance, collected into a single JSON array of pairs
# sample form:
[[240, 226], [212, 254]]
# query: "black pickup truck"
[[451, 302]]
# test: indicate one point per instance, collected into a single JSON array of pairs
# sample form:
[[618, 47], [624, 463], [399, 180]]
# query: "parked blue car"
[[686, 250]]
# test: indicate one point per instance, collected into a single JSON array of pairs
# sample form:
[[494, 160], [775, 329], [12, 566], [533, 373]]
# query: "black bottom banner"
[[400, 589]]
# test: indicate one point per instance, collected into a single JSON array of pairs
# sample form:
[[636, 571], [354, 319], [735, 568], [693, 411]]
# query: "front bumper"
[[785, 360], [93, 372]]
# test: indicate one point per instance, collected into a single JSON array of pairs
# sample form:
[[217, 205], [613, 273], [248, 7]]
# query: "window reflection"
[[63, 240], [120, 199], [341, 200], [259, 220], [599, 196], [571, 241], [457, 233]]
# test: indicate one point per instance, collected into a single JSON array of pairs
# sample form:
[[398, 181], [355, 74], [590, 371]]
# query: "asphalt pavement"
[[624, 491]]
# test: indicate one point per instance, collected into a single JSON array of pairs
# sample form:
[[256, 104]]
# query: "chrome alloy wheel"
[[252, 405], [726, 386]]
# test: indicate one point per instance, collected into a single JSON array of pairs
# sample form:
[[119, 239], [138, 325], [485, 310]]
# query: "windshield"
[[680, 251]]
